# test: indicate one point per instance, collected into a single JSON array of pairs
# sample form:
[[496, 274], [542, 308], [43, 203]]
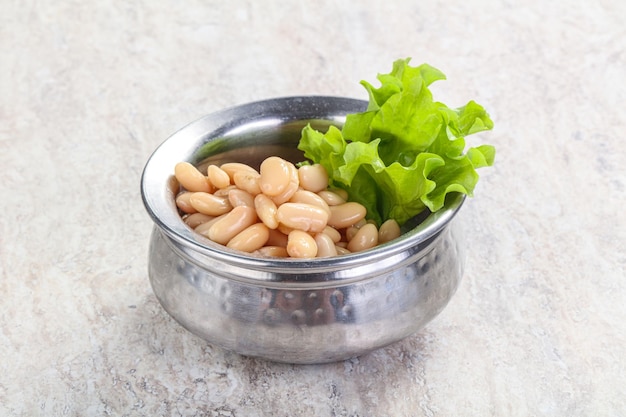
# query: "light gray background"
[[89, 89]]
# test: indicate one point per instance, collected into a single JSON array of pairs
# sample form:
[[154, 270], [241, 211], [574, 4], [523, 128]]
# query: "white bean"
[[232, 167], [275, 176], [232, 223], [302, 216], [247, 181], [341, 250], [346, 214], [250, 239], [223, 192], [239, 197], [273, 251], [204, 228], [183, 203], [266, 210], [309, 197], [313, 177], [218, 177], [196, 219], [292, 187], [332, 198], [332, 233], [190, 178], [325, 245], [209, 204], [365, 238], [389, 230], [277, 238], [301, 245]]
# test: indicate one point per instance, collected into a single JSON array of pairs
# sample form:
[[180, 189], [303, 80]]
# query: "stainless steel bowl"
[[288, 310]]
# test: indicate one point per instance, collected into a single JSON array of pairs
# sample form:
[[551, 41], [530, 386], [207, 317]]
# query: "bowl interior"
[[252, 143], [248, 134]]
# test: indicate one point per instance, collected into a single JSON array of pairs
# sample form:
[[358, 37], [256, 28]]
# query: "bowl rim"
[[159, 168]]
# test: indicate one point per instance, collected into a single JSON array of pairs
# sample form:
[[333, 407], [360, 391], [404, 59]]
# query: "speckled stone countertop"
[[89, 89]]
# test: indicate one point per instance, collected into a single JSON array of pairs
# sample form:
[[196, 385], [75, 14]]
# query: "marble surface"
[[89, 89]]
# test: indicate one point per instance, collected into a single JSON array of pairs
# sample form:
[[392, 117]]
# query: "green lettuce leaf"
[[406, 152]]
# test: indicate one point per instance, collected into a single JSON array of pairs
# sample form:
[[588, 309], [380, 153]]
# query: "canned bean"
[[275, 175], [279, 210], [238, 197], [341, 250], [233, 222], [218, 177], [309, 197], [209, 204], [232, 167], [350, 232], [286, 194], [365, 238], [341, 193], [250, 239], [302, 216], [325, 245], [247, 181], [292, 187], [266, 210], [276, 238], [332, 198], [203, 229], [183, 203], [332, 233], [284, 229], [389, 230], [272, 251], [346, 214], [190, 178], [223, 192], [313, 177], [196, 219], [362, 223], [301, 245]]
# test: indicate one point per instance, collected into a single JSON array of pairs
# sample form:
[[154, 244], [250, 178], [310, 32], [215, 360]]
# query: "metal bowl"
[[289, 310]]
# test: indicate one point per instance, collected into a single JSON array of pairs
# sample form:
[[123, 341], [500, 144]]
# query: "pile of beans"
[[279, 210]]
